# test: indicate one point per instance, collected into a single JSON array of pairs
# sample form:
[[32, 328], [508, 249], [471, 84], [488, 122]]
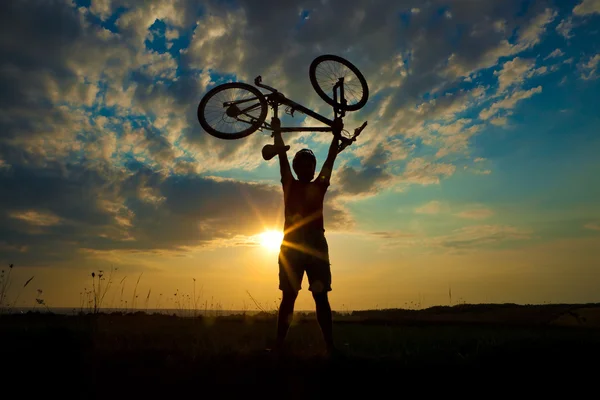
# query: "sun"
[[271, 240]]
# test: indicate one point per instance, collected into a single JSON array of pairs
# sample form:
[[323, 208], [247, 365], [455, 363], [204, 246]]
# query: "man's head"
[[304, 165]]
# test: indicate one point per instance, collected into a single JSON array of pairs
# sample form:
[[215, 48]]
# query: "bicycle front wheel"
[[232, 110], [325, 72]]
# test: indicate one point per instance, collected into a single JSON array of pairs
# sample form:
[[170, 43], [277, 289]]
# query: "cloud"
[[476, 213], [132, 211], [587, 7], [469, 238], [499, 121], [370, 177], [36, 218], [509, 102], [589, 69], [481, 235], [514, 72], [433, 207], [497, 44], [555, 54], [594, 226], [530, 35], [453, 137], [420, 171], [565, 27], [102, 8], [391, 234]]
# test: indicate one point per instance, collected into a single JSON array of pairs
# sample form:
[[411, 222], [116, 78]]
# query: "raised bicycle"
[[236, 110]]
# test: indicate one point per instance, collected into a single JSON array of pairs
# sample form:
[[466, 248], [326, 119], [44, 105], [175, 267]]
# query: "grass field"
[[151, 356]]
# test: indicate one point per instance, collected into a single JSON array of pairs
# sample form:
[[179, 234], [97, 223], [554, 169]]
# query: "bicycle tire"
[[327, 98], [242, 133]]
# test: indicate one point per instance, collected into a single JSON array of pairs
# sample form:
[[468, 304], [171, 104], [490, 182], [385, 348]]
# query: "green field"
[[103, 356]]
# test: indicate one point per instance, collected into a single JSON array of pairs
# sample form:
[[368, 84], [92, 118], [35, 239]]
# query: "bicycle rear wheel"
[[232, 110], [325, 72]]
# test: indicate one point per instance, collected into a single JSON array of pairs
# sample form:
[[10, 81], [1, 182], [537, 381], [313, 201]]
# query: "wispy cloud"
[[555, 54], [509, 102], [433, 207], [36, 218], [565, 27], [587, 7], [514, 72], [476, 213], [469, 238], [594, 226], [589, 69], [480, 235]]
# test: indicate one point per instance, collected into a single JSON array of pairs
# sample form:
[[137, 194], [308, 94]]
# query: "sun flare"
[[271, 240]]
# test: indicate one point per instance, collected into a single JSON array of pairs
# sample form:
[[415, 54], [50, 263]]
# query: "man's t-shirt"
[[304, 211]]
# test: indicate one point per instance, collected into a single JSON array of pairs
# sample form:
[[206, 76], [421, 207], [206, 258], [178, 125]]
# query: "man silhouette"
[[304, 246]]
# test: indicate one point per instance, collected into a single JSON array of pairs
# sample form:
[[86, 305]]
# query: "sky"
[[475, 180]]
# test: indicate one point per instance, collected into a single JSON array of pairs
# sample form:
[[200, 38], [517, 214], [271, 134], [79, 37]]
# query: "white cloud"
[[171, 34], [476, 213], [478, 235], [564, 28], [101, 8], [587, 7], [531, 34], [555, 54], [499, 121], [468, 238], [589, 69], [509, 102], [37, 218], [433, 207], [420, 171], [514, 72], [500, 25]]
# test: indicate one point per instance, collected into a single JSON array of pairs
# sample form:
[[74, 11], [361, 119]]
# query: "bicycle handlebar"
[[348, 141]]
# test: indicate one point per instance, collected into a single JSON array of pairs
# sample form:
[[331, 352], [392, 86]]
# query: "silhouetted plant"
[[5, 283], [135, 291], [40, 301]]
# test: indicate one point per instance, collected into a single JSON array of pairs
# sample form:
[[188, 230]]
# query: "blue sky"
[[481, 146]]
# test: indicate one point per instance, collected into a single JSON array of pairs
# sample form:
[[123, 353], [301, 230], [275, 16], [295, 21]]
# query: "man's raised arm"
[[284, 164], [325, 174]]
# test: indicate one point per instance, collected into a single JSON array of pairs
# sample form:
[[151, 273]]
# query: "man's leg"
[[324, 318], [286, 311]]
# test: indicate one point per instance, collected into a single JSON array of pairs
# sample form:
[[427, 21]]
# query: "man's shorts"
[[314, 259]]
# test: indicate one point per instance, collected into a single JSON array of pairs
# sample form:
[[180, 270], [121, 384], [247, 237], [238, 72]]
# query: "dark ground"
[[452, 350]]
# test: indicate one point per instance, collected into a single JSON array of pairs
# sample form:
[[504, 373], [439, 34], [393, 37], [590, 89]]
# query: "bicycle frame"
[[277, 98]]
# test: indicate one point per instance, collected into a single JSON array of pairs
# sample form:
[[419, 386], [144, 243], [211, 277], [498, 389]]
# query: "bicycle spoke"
[[216, 114], [328, 74], [331, 73]]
